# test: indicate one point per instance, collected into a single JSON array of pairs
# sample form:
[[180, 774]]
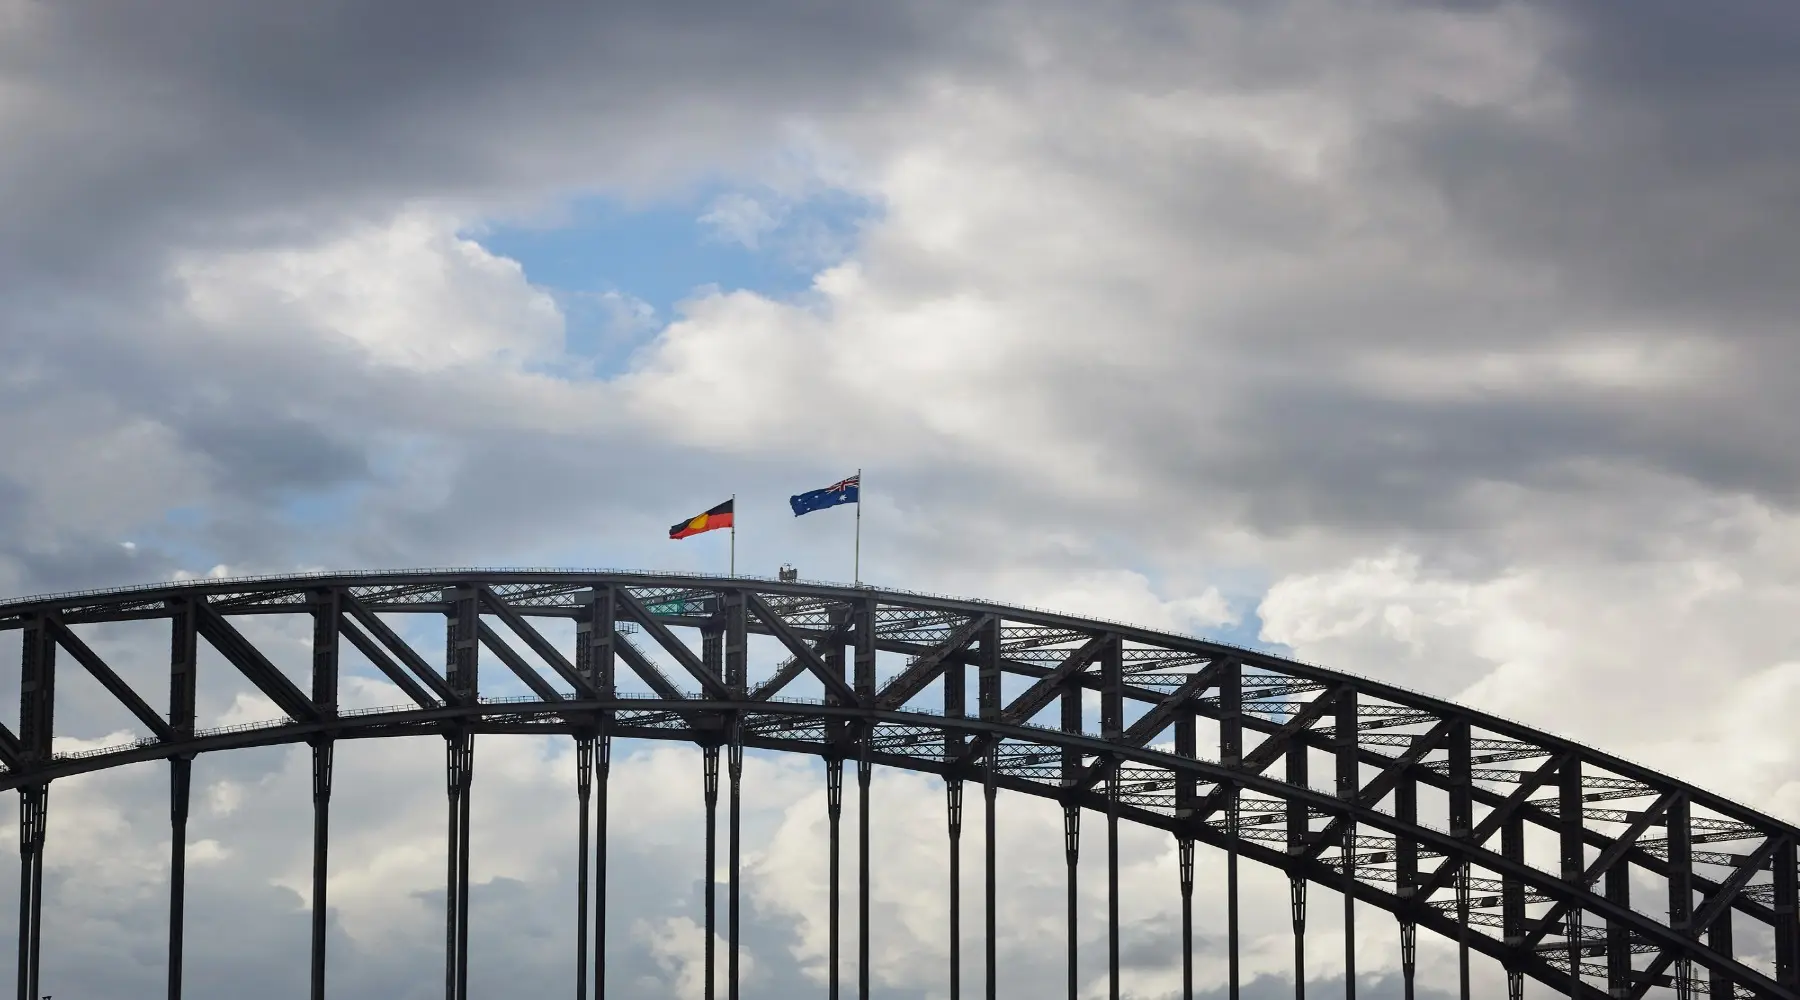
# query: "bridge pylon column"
[[709, 771], [183, 664], [37, 710], [837, 733], [1462, 931], [322, 753], [834, 814], [1512, 905], [1350, 911], [462, 670], [1231, 749], [584, 780], [1618, 937], [863, 682], [1112, 883], [1071, 857], [1186, 789], [734, 643], [990, 922], [988, 703], [1297, 914], [1406, 881], [34, 803], [953, 801], [595, 662], [1112, 728], [956, 693], [1718, 936], [1233, 959], [459, 767], [1349, 776], [1786, 904], [181, 771], [1462, 823], [1184, 850], [734, 821], [1409, 957], [1071, 775], [1575, 926], [602, 778], [1569, 808], [864, 777], [1298, 834], [327, 612]]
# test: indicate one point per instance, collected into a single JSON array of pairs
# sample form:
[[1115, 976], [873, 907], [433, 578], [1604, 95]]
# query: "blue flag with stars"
[[842, 491]]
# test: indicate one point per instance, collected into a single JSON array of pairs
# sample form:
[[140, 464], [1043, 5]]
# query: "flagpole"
[[856, 557], [733, 570]]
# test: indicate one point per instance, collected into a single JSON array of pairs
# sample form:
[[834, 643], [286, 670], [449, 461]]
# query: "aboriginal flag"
[[718, 517]]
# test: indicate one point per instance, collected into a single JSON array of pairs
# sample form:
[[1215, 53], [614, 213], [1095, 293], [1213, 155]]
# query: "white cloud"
[[1657, 658], [408, 291]]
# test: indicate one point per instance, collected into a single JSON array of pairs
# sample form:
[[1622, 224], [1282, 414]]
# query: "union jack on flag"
[[841, 492]]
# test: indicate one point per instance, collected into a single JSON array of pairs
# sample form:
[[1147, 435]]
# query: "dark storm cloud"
[[209, 120], [269, 457], [1670, 188], [1651, 201], [1325, 455]]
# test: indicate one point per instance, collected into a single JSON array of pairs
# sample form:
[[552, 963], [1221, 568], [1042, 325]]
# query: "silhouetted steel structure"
[[1510, 842]]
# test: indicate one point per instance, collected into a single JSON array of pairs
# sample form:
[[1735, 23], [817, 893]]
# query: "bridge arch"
[[1512, 842]]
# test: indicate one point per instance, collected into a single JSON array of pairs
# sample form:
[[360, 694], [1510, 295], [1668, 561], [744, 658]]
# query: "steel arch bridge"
[[1515, 844]]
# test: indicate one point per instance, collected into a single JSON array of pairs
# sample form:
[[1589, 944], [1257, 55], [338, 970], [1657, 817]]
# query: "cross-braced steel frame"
[[1518, 845]]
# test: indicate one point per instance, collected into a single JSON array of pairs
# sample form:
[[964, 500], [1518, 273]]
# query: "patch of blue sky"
[[177, 534], [621, 271], [185, 517], [1246, 631], [323, 508], [1242, 589], [185, 534]]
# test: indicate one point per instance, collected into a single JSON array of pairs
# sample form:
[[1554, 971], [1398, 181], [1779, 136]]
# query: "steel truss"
[[1514, 844]]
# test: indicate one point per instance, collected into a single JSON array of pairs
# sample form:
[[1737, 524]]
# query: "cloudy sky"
[[1449, 344]]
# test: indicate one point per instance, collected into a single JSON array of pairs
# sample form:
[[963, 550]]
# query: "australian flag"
[[842, 491]]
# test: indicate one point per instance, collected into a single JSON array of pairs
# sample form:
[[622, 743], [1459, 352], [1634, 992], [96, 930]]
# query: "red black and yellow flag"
[[718, 517]]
